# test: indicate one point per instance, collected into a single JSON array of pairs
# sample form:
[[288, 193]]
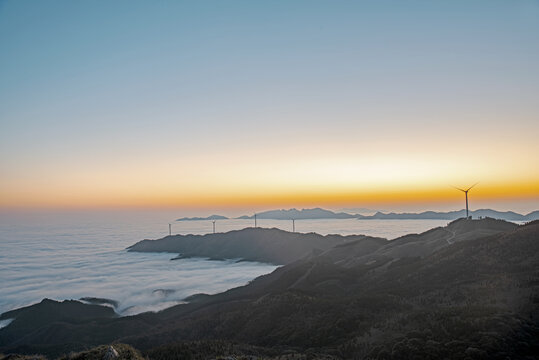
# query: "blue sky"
[[90, 86]]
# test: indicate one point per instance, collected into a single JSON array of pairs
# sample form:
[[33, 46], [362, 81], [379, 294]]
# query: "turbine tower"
[[466, 194]]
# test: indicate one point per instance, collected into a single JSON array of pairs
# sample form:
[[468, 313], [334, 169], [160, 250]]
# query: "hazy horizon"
[[172, 213]]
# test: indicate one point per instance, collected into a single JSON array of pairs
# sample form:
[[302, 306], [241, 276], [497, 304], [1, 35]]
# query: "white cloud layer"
[[70, 256]]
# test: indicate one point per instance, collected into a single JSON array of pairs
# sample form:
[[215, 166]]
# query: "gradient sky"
[[259, 104]]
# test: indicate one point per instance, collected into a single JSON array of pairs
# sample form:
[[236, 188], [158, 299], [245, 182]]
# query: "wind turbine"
[[466, 194], [213, 226]]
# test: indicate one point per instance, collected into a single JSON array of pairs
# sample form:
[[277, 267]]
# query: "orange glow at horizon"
[[342, 176], [260, 110], [269, 198]]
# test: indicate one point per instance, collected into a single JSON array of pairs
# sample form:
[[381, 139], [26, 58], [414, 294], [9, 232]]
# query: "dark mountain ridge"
[[453, 215], [318, 213], [253, 244], [476, 296]]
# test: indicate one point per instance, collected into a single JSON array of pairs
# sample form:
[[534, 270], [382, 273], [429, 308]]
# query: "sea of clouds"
[[137, 281], [71, 256]]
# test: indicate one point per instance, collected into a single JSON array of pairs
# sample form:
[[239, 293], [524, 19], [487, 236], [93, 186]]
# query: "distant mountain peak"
[[320, 213], [211, 217], [303, 214]]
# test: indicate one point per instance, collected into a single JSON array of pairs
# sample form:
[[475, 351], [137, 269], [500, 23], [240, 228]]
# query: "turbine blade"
[[472, 186], [454, 187]]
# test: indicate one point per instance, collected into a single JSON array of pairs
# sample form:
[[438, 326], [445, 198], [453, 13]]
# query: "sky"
[[236, 105]]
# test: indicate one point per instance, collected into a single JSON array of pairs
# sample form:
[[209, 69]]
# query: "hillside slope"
[[472, 297], [253, 244], [477, 297]]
